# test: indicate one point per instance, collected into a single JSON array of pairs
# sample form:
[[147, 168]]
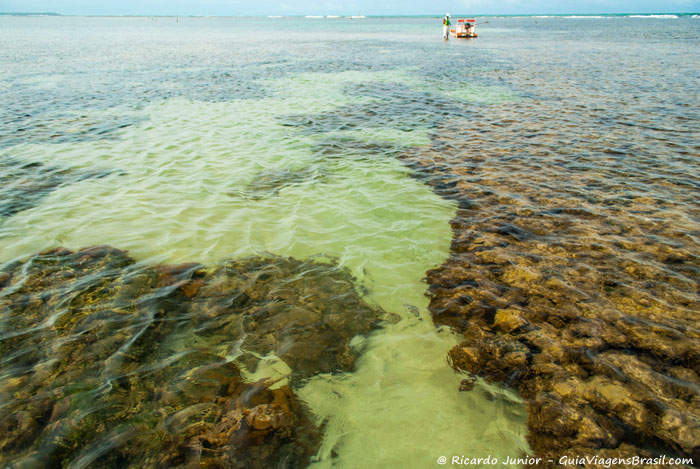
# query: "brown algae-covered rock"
[[107, 363], [584, 300]]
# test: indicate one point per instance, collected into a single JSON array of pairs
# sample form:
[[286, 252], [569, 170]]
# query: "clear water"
[[199, 139]]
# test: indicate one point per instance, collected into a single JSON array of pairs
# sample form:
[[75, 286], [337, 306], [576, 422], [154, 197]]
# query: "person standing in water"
[[446, 27]]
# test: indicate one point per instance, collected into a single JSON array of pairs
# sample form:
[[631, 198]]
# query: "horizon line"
[[302, 15]]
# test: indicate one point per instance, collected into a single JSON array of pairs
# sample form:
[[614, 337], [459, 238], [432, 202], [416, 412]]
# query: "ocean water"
[[204, 139]]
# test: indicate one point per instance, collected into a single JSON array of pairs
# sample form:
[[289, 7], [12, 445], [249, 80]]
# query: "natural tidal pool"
[[295, 170], [353, 246]]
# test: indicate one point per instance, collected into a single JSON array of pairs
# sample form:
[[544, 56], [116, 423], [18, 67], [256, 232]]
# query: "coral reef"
[[584, 299], [107, 362]]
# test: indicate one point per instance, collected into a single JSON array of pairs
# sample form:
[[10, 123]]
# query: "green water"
[[201, 182]]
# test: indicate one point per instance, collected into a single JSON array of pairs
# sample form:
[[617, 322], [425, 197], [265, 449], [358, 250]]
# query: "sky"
[[346, 7]]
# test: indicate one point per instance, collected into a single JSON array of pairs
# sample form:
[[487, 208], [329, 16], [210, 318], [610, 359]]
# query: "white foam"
[[654, 16]]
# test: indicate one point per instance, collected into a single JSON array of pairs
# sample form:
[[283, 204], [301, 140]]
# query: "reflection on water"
[[569, 186]]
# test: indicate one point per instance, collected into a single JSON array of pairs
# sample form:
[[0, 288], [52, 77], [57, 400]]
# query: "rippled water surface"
[[344, 145]]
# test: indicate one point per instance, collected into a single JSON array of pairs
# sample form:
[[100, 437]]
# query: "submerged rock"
[[104, 362], [23, 185], [394, 106], [564, 292], [270, 183]]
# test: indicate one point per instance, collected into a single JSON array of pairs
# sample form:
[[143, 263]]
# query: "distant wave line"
[[653, 16], [612, 16], [331, 17]]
